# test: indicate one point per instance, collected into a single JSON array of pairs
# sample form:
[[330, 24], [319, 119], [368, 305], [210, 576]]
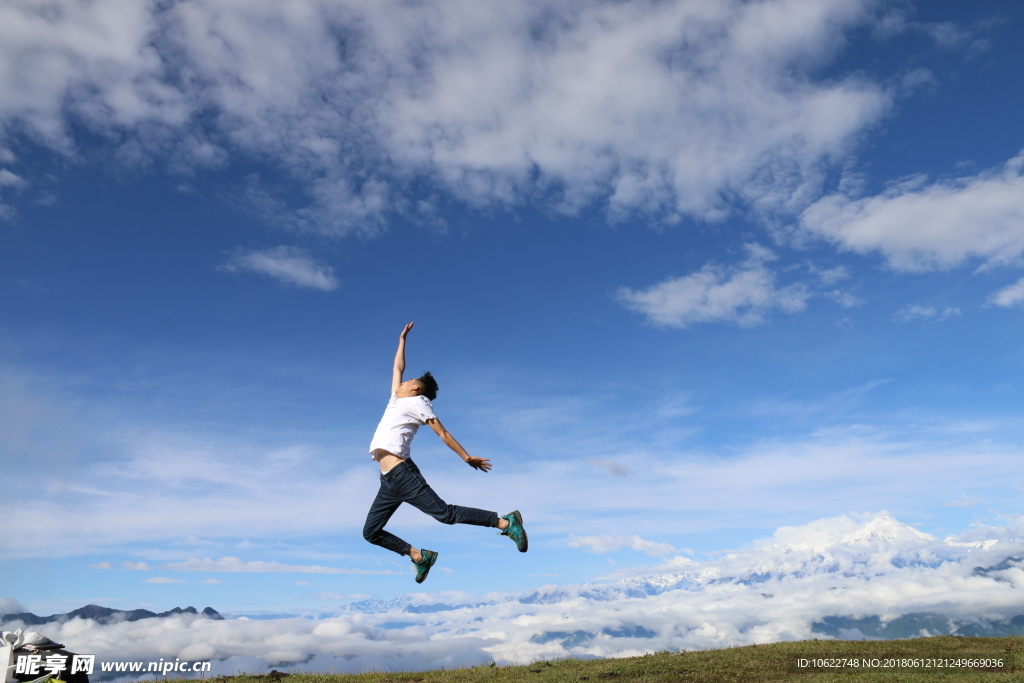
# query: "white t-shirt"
[[402, 418]]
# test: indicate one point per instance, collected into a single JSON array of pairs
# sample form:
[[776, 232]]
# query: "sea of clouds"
[[835, 577]]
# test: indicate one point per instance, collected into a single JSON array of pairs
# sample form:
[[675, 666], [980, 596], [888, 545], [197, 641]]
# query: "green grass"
[[751, 664]]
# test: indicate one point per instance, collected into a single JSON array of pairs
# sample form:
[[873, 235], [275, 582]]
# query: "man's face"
[[410, 387]]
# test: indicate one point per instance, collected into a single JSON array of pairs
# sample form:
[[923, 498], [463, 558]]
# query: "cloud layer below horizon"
[[780, 588]]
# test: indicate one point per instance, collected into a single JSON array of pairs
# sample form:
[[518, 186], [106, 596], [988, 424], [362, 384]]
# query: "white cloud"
[[10, 606], [163, 579], [135, 566], [908, 313], [290, 265], [948, 35], [607, 543], [187, 491], [95, 56], [843, 298], [233, 564], [921, 226], [8, 179], [101, 565], [213, 581], [913, 312], [781, 588], [1009, 296], [742, 295], [670, 109], [192, 493], [234, 482], [831, 276]]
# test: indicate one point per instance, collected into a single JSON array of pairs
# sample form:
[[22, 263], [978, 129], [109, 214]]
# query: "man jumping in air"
[[400, 479]]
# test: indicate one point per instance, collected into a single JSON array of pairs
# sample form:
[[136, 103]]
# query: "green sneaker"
[[424, 565], [515, 530]]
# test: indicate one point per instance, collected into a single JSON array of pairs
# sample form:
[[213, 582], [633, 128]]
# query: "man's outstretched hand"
[[405, 331], [482, 464]]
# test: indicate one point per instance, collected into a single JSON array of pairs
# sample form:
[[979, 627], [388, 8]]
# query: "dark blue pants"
[[405, 484]]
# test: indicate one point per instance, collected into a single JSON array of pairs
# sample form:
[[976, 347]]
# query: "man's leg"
[[415, 490], [384, 506]]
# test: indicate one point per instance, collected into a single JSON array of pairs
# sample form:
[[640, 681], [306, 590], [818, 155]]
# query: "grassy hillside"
[[751, 664]]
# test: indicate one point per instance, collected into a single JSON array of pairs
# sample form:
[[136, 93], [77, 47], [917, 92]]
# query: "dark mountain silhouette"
[[104, 615], [1008, 563]]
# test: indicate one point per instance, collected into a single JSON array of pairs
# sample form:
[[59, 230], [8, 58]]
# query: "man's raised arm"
[[396, 373]]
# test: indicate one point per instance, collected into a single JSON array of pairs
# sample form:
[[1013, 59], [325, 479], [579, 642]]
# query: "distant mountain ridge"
[[104, 615]]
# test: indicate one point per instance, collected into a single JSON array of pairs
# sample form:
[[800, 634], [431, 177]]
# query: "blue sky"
[[687, 272]]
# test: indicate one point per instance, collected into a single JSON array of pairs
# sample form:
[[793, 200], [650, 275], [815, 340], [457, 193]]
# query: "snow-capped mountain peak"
[[888, 530]]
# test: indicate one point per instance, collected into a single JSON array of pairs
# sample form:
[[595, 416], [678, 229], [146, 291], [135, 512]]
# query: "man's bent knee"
[[446, 516]]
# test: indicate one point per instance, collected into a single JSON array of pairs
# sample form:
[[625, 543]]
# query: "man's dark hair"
[[429, 385]]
